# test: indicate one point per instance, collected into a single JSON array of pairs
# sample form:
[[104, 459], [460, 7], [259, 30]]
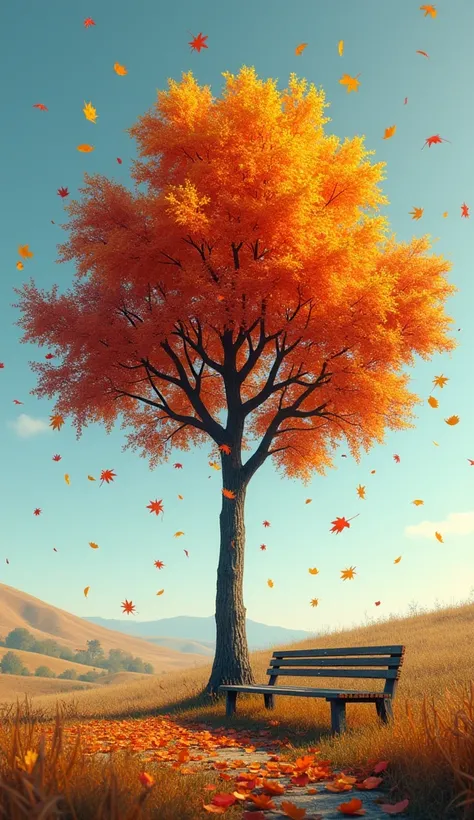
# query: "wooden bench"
[[327, 663]]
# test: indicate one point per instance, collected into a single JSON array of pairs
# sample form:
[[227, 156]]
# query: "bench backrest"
[[330, 663]]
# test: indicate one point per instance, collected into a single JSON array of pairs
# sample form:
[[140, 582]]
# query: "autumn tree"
[[253, 273]]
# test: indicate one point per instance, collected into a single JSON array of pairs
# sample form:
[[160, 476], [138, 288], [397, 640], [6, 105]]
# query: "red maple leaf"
[[197, 43], [155, 507], [15, 401], [40, 106], [465, 210], [341, 523], [159, 564], [429, 141], [187, 553], [262, 547], [1, 365], [266, 524], [377, 603], [62, 192], [107, 476], [119, 160], [49, 356], [128, 607], [88, 22], [57, 457], [396, 458], [37, 511], [178, 466], [224, 448], [471, 461]]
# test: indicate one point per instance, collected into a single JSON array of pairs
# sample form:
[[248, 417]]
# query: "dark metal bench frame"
[[327, 663]]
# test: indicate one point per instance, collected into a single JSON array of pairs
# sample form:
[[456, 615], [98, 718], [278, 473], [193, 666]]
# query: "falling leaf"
[[15, 401], [155, 507], [57, 457], [423, 53], [186, 553], [417, 213], [417, 502], [405, 101], [465, 210], [471, 461], [299, 49], [160, 592], [445, 214], [119, 160], [177, 534], [314, 601], [397, 560], [340, 48], [433, 402], [263, 547], [37, 511], [377, 603], [389, 132], [91, 478], [341, 523], [120, 69], [360, 492], [86, 591], [435, 443], [20, 265], [439, 537], [107, 476], [84, 148], [429, 9], [266, 524], [90, 112], [49, 356], [56, 422], [396, 458], [313, 571], [434, 140], [127, 606], [24, 252], [199, 42], [62, 192], [159, 564], [351, 83], [40, 106], [89, 22], [93, 545], [348, 574], [452, 420], [66, 478], [270, 583], [440, 381]]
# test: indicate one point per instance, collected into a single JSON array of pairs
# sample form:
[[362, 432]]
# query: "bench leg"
[[338, 716], [269, 702], [384, 710], [230, 706]]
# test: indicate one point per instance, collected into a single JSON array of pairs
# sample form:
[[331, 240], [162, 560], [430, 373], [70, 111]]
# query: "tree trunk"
[[231, 660]]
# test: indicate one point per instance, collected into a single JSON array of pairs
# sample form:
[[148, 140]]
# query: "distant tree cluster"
[[94, 655]]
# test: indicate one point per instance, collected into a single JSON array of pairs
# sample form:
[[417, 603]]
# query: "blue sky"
[[49, 57]]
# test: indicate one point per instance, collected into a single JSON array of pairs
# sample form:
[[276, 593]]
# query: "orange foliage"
[[267, 233]]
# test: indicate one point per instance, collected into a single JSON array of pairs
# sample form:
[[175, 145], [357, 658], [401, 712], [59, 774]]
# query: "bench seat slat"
[[322, 653], [336, 673], [335, 662], [303, 690]]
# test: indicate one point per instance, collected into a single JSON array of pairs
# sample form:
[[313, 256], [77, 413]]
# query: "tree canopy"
[[252, 271]]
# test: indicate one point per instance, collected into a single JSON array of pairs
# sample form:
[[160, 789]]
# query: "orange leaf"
[[199, 42], [395, 808], [291, 810], [354, 806], [56, 422], [299, 49], [389, 132], [228, 493], [93, 545], [85, 148], [433, 402], [439, 537], [120, 69], [452, 420]]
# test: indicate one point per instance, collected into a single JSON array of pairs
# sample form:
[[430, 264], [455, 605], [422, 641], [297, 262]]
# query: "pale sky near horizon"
[[51, 58]]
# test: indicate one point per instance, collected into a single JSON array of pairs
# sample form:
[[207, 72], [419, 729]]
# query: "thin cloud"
[[461, 523], [26, 426]]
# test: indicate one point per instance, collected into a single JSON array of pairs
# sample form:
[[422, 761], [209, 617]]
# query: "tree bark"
[[231, 660]]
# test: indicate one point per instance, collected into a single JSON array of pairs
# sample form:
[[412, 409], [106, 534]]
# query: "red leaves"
[[199, 42], [266, 524], [434, 140], [119, 160], [57, 457], [159, 564], [465, 210], [396, 458], [62, 192], [88, 22], [40, 106], [155, 507], [341, 523], [37, 511], [107, 476], [128, 607]]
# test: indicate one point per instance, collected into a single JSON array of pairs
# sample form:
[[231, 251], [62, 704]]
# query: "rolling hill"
[[202, 630], [18, 609]]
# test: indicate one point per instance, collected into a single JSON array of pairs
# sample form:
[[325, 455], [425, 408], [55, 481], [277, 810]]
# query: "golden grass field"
[[432, 735]]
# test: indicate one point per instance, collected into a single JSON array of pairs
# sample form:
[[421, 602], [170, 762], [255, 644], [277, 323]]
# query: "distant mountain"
[[200, 630]]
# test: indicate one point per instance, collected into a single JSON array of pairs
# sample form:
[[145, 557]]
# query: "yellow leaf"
[[93, 545], [160, 592], [452, 420], [24, 252], [435, 443], [177, 534], [340, 48], [299, 49], [397, 560], [440, 381], [120, 69], [439, 537], [90, 112], [20, 265], [270, 583], [308, 501], [314, 601], [417, 502], [91, 478], [351, 83], [86, 591], [67, 479], [86, 149], [313, 571], [433, 402], [417, 213], [389, 132], [361, 491], [445, 214]]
